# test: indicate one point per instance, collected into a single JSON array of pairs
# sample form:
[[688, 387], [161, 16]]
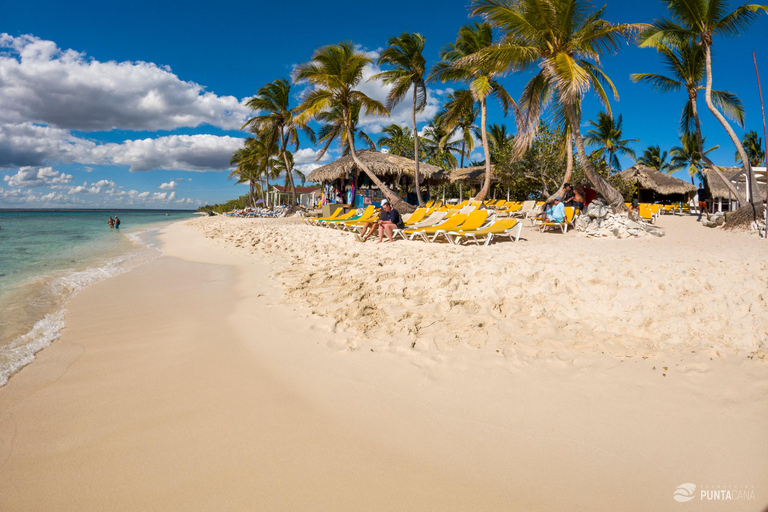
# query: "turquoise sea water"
[[46, 257]]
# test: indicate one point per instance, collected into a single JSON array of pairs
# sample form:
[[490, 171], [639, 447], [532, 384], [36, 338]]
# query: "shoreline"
[[212, 386], [63, 285]]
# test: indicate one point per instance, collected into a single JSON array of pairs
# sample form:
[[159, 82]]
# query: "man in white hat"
[[389, 219]]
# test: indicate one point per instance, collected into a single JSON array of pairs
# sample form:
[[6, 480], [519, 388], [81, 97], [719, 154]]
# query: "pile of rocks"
[[714, 221], [599, 221]]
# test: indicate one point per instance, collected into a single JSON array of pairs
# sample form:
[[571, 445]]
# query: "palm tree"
[[459, 113], [251, 164], [655, 158], [334, 72], [335, 128], [405, 54], [753, 146], [686, 65], [498, 137], [606, 134], [435, 145], [397, 140], [702, 20], [276, 125], [687, 156], [565, 39], [686, 62], [456, 67]]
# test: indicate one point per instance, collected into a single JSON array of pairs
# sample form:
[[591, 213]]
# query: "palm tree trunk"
[[693, 96], [463, 148], [288, 172], [613, 196], [752, 186], [568, 168], [416, 150], [487, 183], [393, 198], [263, 197], [266, 177]]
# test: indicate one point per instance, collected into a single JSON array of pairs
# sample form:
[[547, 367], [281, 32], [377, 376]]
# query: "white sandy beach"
[[270, 365]]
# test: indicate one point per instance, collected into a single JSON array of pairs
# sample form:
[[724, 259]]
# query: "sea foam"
[[21, 351]]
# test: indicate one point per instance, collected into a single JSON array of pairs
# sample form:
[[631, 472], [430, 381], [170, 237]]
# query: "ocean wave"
[[21, 351]]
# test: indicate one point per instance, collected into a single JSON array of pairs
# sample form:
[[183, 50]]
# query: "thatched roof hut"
[[717, 189], [715, 185], [657, 183], [472, 175], [380, 164]]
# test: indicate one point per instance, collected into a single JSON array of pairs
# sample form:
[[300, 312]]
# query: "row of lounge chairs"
[[463, 222]]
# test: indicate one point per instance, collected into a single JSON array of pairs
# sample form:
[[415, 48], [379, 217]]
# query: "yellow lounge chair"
[[649, 212], [355, 216], [474, 221], [453, 222], [358, 224], [460, 205], [351, 214], [336, 213], [570, 214], [417, 216], [367, 215], [503, 227], [434, 219]]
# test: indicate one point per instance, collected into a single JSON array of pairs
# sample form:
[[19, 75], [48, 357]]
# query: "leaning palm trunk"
[[568, 168], [487, 182], [751, 183], [393, 198], [613, 196], [416, 151], [692, 95], [288, 172]]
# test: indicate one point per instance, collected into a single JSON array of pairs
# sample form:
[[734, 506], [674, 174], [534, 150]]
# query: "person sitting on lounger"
[[554, 212], [389, 219]]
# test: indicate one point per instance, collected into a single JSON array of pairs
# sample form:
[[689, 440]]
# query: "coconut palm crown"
[[564, 39], [334, 74], [405, 54], [606, 133], [457, 66], [700, 21], [277, 126]]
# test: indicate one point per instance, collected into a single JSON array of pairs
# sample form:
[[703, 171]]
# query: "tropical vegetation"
[[558, 46]]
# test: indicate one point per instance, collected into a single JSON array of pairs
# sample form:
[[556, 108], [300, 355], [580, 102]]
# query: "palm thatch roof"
[[719, 190], [380, 164], [473, 175], [660, 183]]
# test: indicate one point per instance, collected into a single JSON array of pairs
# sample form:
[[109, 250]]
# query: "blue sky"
[[139, 104]]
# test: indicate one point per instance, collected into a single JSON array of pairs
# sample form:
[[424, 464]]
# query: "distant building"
[[721, 196], [306, 196]]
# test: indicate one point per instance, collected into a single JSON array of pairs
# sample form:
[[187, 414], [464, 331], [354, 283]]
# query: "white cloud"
[[171, 185], [27, 145], [31, 177], [65, 89], [174, 152], [401, 113], [305, 160]]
